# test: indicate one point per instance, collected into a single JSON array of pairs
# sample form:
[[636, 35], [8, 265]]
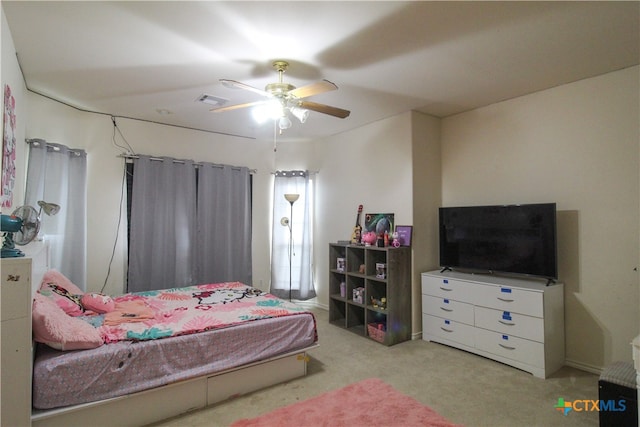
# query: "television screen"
[[517, 239]]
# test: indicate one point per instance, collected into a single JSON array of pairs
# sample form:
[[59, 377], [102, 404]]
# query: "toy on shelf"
[[369, 238], [395, 241], [379, 303]]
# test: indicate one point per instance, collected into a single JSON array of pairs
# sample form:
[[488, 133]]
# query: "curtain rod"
[[308, 172], [130, 157], [54, 146]]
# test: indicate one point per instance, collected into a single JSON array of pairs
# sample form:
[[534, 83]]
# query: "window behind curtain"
[[293, 280], [209, 231], [58, 174]]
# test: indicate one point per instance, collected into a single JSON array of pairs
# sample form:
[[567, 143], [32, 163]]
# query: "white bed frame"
[[160, 403], [164, 402]]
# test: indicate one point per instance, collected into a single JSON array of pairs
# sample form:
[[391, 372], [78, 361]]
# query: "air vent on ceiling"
[[212, 100]]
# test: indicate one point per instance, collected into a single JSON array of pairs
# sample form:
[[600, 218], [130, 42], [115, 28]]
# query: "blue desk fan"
[[22, 226]]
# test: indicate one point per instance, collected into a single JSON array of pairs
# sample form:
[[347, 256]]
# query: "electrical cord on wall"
[[127, 149]]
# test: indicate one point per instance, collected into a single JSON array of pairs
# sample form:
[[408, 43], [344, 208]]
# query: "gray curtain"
[[163, 226], [224, 224], [190, 224], [58, 174]]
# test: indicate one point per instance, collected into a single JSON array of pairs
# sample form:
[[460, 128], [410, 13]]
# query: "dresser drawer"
[[507, 322], [16, 288], [511, 299], [511, 347], [448, 309], [448, 288], [448, 329]]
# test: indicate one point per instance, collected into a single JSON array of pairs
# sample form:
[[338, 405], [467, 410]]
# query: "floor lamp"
[[291, 198]]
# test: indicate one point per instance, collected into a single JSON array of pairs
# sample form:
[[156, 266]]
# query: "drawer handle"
[[446, 289], [506, 347], [13, 278], [446, 309], [505, 299], [506, 323], [446, 330]]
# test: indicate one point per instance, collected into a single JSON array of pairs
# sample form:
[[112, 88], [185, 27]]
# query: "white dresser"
[[518, 322], [18, 275]]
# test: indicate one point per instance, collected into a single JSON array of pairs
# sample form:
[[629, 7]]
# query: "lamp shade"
[[291, 197], [49, 208], [300, 113], [284, 122]]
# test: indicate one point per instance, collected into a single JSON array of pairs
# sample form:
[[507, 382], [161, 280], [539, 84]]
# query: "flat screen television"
[[512, 239]]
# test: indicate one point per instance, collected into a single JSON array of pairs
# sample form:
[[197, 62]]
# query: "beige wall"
[[370, 166], [576, 145], [427, 197]]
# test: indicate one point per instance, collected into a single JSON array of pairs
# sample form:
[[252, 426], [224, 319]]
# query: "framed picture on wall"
[[404, 234], [378, 222]]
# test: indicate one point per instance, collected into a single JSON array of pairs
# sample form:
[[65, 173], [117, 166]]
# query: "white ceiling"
[[131, 59]]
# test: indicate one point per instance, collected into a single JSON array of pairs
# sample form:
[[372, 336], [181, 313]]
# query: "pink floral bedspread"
[[179, 311]]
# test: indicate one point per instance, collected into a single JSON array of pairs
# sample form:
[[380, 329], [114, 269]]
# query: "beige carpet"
[[465, 388]]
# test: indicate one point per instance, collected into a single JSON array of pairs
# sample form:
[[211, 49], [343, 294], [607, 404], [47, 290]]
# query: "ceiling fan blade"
[[313, 89], [325, 109], [237, 106], [239, 85]]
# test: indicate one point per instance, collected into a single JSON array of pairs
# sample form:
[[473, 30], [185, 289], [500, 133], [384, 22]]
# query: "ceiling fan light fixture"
[[285, 98], [300, 113], [284, 123]]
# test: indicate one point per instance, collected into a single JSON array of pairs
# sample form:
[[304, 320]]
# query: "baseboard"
[[583, 366]]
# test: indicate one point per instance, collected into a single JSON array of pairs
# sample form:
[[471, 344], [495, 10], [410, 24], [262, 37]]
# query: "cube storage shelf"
[[373, 273]]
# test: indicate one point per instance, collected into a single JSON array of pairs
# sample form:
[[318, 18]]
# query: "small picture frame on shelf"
[[381, 270], [404, 234], [341, 264], [358, 295]]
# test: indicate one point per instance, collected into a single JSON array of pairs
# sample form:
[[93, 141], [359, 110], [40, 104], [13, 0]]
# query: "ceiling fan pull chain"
[[275, 137]]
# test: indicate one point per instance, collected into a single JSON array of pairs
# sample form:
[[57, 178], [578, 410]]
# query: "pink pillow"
[[56, 286], [53, 327], [98, 303]]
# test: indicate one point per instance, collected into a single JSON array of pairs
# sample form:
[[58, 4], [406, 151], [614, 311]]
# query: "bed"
[[160, 353]]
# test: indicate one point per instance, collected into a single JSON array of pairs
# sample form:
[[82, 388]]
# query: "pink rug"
[[370, 402]]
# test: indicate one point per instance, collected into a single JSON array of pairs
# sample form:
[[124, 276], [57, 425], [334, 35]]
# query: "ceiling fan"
[[283, 97]]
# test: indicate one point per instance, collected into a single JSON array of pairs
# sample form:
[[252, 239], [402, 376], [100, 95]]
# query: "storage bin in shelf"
[[377, 331]]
